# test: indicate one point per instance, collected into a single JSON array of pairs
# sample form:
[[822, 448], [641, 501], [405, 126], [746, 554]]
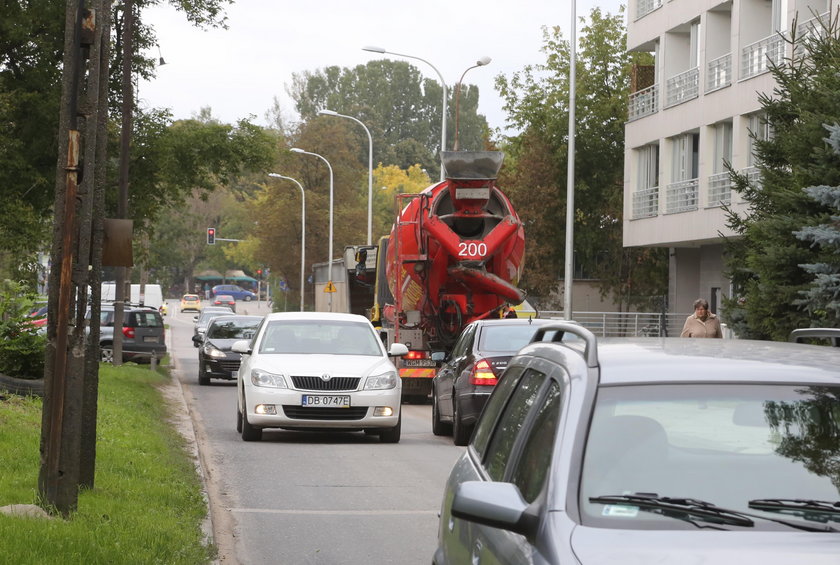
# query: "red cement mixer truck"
[[454, 255]]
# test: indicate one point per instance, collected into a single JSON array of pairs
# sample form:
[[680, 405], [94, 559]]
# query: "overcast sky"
[[237, 72]]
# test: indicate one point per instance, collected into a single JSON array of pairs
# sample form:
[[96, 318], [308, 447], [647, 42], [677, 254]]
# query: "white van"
[[152, 294]]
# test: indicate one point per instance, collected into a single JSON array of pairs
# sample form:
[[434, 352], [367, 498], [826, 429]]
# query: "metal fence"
[[626, 324]]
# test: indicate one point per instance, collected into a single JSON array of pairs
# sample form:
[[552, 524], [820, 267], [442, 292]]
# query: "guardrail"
[[626, 324]]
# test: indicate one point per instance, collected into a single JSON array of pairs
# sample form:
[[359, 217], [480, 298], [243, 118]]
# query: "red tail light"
[[482, 374], [128, 332], [415, 355]]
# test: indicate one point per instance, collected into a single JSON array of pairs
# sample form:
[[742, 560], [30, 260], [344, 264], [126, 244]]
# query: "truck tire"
[[439, 428], [460, 432], [392, 435]]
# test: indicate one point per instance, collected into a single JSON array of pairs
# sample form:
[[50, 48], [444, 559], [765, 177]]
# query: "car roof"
[[236, 318], [513, 321], [661, 360], [324, 316]]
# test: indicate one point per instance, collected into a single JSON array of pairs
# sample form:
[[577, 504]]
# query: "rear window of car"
[[145, 319], [232, 329], [508, 339]]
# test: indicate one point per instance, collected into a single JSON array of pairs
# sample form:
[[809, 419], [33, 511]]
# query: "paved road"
[[313, 498]]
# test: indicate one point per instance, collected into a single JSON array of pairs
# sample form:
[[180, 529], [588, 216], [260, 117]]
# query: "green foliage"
[[146, 506], [534, 176], [400, 108], [767, 262], [822, 298], [21, 347]]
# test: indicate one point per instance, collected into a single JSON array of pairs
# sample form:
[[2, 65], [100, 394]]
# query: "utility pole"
[[125, 146], [65, 367]]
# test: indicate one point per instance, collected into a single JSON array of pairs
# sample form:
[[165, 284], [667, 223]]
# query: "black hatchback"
[[470, 372], [215, 359]]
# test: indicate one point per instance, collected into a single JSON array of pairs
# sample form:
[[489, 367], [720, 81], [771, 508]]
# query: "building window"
[[681, 193], [720, 186], [646, 195]]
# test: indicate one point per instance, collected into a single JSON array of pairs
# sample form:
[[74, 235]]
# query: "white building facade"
[[692, 112]]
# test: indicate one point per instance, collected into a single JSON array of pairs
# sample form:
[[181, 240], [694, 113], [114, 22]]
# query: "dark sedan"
[[215, 359], [470, 372]]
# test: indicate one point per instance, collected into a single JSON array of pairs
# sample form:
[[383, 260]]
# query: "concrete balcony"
[[682, 87], [646, 203], [643, 103], [720, 190], [719, 73], [757, 57], [681, 196]]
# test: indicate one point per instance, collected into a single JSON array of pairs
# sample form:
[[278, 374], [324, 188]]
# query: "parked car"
[[643, 450], [469, 373], [310, 370], [225, 300], [234, 290], [190, 303], [204, 319], [143, 334], [215, 359]]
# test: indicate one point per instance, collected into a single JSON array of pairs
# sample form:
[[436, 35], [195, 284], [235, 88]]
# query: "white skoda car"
[[318, 370]]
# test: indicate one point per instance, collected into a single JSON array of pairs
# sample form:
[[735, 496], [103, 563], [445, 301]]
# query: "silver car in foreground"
[[652, 450], [317, 370]]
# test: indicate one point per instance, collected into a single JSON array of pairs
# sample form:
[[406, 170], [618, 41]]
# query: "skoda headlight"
[[211, 351], [264, 378], [383, 381]]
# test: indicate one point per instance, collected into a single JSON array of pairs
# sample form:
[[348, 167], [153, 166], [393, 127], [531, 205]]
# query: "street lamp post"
[[480, 63], [370, 168], [570, 176], [330, 252], [382, 51], [302, 230]]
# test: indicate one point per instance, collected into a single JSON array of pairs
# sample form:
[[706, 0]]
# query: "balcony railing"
[[645, 7], [643, 103], [719, 73], [720, 190], [682, 87], [813, 28], [681, 196], [757, 57], [646, 203], [753, 176]]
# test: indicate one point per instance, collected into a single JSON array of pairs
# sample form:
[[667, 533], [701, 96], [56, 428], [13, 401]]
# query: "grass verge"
[[146, 506]]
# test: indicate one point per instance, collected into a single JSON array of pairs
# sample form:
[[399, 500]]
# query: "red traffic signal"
[[259, 273], [211, 236]]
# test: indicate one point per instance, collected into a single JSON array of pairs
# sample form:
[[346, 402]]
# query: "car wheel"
[[439, 428], [249, 432], [106, 353], [238, 420], [247, 298], [460, 431], [392, 435], [203, 379]]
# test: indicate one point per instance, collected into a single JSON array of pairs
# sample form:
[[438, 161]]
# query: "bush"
[[22, 348]]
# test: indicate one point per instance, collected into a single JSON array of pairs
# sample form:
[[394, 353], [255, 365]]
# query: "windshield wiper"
[[815, 510], [677, 507], [681, 507]]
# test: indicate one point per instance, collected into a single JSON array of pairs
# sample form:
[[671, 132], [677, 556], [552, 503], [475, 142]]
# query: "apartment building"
[[692, 112]]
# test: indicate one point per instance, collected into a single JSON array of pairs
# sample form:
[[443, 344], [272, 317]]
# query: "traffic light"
[[259, 273], [211, 236]]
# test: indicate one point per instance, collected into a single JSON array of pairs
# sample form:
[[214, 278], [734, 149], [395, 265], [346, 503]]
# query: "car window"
[[232, 329], [508, 338], [463, 344], [494, 406], [147, 320], [531, 468], [320, 337], [510, 422], [723, 443]]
